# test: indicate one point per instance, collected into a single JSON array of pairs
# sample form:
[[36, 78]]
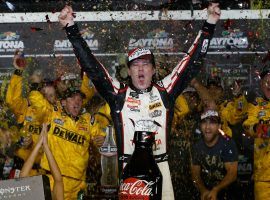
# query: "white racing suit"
[[130, 105]]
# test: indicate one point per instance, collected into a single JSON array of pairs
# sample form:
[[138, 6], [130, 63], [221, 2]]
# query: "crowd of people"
[[196, 147]]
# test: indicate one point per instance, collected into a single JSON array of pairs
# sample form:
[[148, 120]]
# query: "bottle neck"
[[144, 140], [109, 136], [144, 147]]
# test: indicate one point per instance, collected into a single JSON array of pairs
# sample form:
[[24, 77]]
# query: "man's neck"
[[213, 142], [141, 91]]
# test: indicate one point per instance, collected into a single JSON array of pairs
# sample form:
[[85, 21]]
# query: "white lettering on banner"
[[11, 190], [222, 43], [65, 45], [159, 43], [11, 44], [6, 74], [140, 187]]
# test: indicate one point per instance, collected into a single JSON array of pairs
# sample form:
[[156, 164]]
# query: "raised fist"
[[213, 12], [19, 61], [66, 16]]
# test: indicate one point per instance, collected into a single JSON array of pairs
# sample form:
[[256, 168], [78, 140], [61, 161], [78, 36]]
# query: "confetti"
[[34, 29], [9, 5], [48, 19], [227, 24], [189, 25]]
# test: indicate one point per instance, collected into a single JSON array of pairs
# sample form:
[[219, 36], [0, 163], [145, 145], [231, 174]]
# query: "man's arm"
[[230, 177], [196, 177], [41, 104], [104, 83], [205, 96], [181, 108], [250, 124], [88, 90], [58, 187], [28, 164], [14, 98], [191, 64]]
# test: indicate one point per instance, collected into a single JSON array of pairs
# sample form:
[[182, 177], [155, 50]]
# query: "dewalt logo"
[[34, 129], [155, 105], [69, 135]]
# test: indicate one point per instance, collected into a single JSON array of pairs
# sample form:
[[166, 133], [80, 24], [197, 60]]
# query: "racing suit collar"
[[141, 91], [72, 117]]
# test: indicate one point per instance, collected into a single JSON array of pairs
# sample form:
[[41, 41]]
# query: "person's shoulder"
[[224, 139], [83, 118], [227, 142]]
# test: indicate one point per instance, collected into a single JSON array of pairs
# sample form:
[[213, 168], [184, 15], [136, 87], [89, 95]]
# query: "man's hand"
[[98, 140], [44, 134], [214, 12], [236, 88], [204, 195], [19, 61], [66, 16], [212, 195], [194, 82]]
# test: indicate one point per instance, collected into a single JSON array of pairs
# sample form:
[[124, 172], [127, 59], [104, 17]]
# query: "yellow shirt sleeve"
[[88, 90], [14, 99], [40, 103]]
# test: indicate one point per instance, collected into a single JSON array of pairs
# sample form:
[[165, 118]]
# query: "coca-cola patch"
[[136, 189]]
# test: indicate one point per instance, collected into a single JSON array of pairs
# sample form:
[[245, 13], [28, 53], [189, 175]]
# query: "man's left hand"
[[214, 12]]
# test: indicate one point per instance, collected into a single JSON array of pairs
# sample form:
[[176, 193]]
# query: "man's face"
[[73, 105], [265, 86], [141, 72], [210, 130], [49, 93]]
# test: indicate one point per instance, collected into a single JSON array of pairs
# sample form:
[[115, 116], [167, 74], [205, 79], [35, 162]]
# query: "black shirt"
[[212, 159]]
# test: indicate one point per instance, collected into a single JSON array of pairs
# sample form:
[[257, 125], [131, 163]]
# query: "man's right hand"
[[66, 16]]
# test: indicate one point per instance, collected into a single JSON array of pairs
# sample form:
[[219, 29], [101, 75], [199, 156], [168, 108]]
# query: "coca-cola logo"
[[133, 188]]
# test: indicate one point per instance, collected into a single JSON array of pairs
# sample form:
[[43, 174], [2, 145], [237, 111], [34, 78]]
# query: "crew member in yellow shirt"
[[258, 125], [71, 130]]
